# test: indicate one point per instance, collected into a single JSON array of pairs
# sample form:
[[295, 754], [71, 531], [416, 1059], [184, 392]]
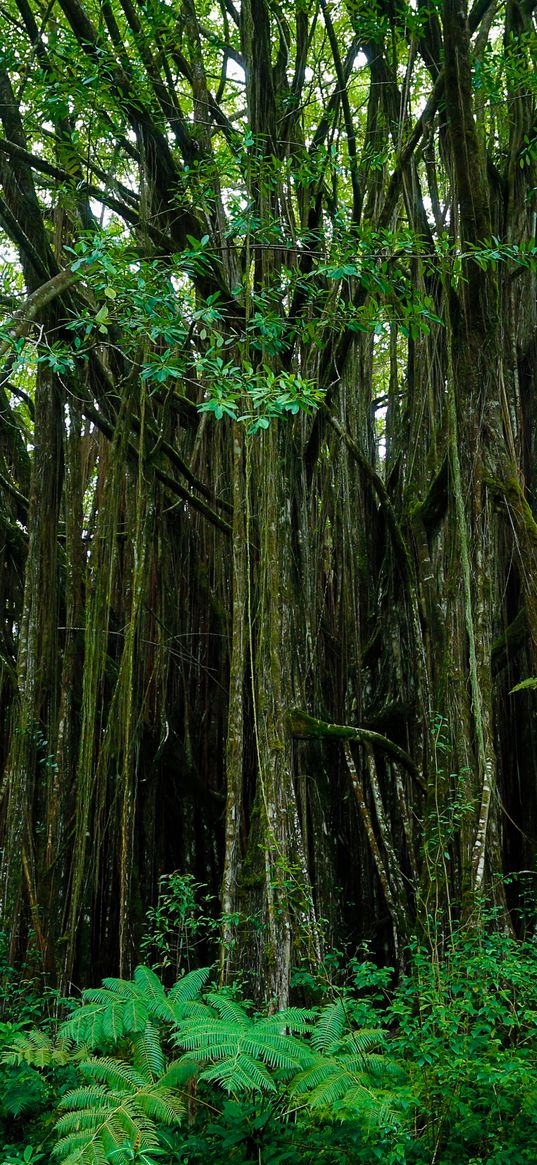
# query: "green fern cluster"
[[118, 1109], [139, 1048], [349, 1073], [126, 1008]]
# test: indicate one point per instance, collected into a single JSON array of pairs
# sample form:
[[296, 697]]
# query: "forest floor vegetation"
[[437, 1066]]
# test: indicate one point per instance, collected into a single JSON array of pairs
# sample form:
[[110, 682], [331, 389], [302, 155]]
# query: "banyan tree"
[[267, 473]]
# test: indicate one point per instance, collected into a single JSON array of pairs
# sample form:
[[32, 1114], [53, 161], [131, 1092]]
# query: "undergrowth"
[[440, 1069]]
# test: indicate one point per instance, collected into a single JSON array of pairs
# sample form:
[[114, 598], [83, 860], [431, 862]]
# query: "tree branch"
[[302, 726], [36, 302]]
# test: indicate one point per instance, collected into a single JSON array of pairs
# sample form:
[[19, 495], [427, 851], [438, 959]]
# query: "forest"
[[268, 515]]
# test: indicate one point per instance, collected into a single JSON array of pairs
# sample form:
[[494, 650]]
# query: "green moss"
[[512, 493]]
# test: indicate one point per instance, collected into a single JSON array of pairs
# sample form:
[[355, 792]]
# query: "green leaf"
[[524, 685]]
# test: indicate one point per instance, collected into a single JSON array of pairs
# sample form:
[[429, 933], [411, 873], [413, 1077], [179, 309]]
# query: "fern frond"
[[125, 988], [228, 1009], [179, 1073], [191, 1010], [275, 1049], [161, 1009], [102, 995], [161, 1105], [114, 1074], [312, 1077], [328, 1092], [78, 1122], [352, 1081], [329, 1027], [217, 1040], [135, 1015], [113, 1022], [148, 1055], [374, 1108], [358, 1065], [38, 1050], [208, 1035], [189, 986], [363, 1039], [75, 1149], [210, 1045], [291, 1019], [33, 1047], [120, 1106], [129, 1123], [149, 984], [239, 1075], [23, 1092], [108, 1013], [85, 1096], [84, 1026], [90, 1135], [384, 1067]]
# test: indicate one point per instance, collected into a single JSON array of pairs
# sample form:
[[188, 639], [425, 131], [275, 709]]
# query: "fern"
[[39, 1050], [120, 1105], [187, 988], [147, 1052], [124, 1008], [149, 983], [298, 1058], [240, 1074], [94, 1024], [135, 1016], [291, 1019], [349, 1074], [525, 685], [179, 1072], [362, 1040], [343, 1085], [114, 1073], [109, 1013], [218, 1040], [228, 1009], [23, 1092], [330, 1027], [79, 1149]]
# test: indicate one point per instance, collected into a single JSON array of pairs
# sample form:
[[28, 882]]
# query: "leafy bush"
[[466, 1029], [181, 921], [30, 1083]]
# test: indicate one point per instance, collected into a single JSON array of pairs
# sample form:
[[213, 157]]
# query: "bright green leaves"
[[119, 1106], [101, 320], [525, 685], [528, 153], [124, 1008], [254, 397], [197, 259], [345, 271], [182, 334], [492, 252]]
